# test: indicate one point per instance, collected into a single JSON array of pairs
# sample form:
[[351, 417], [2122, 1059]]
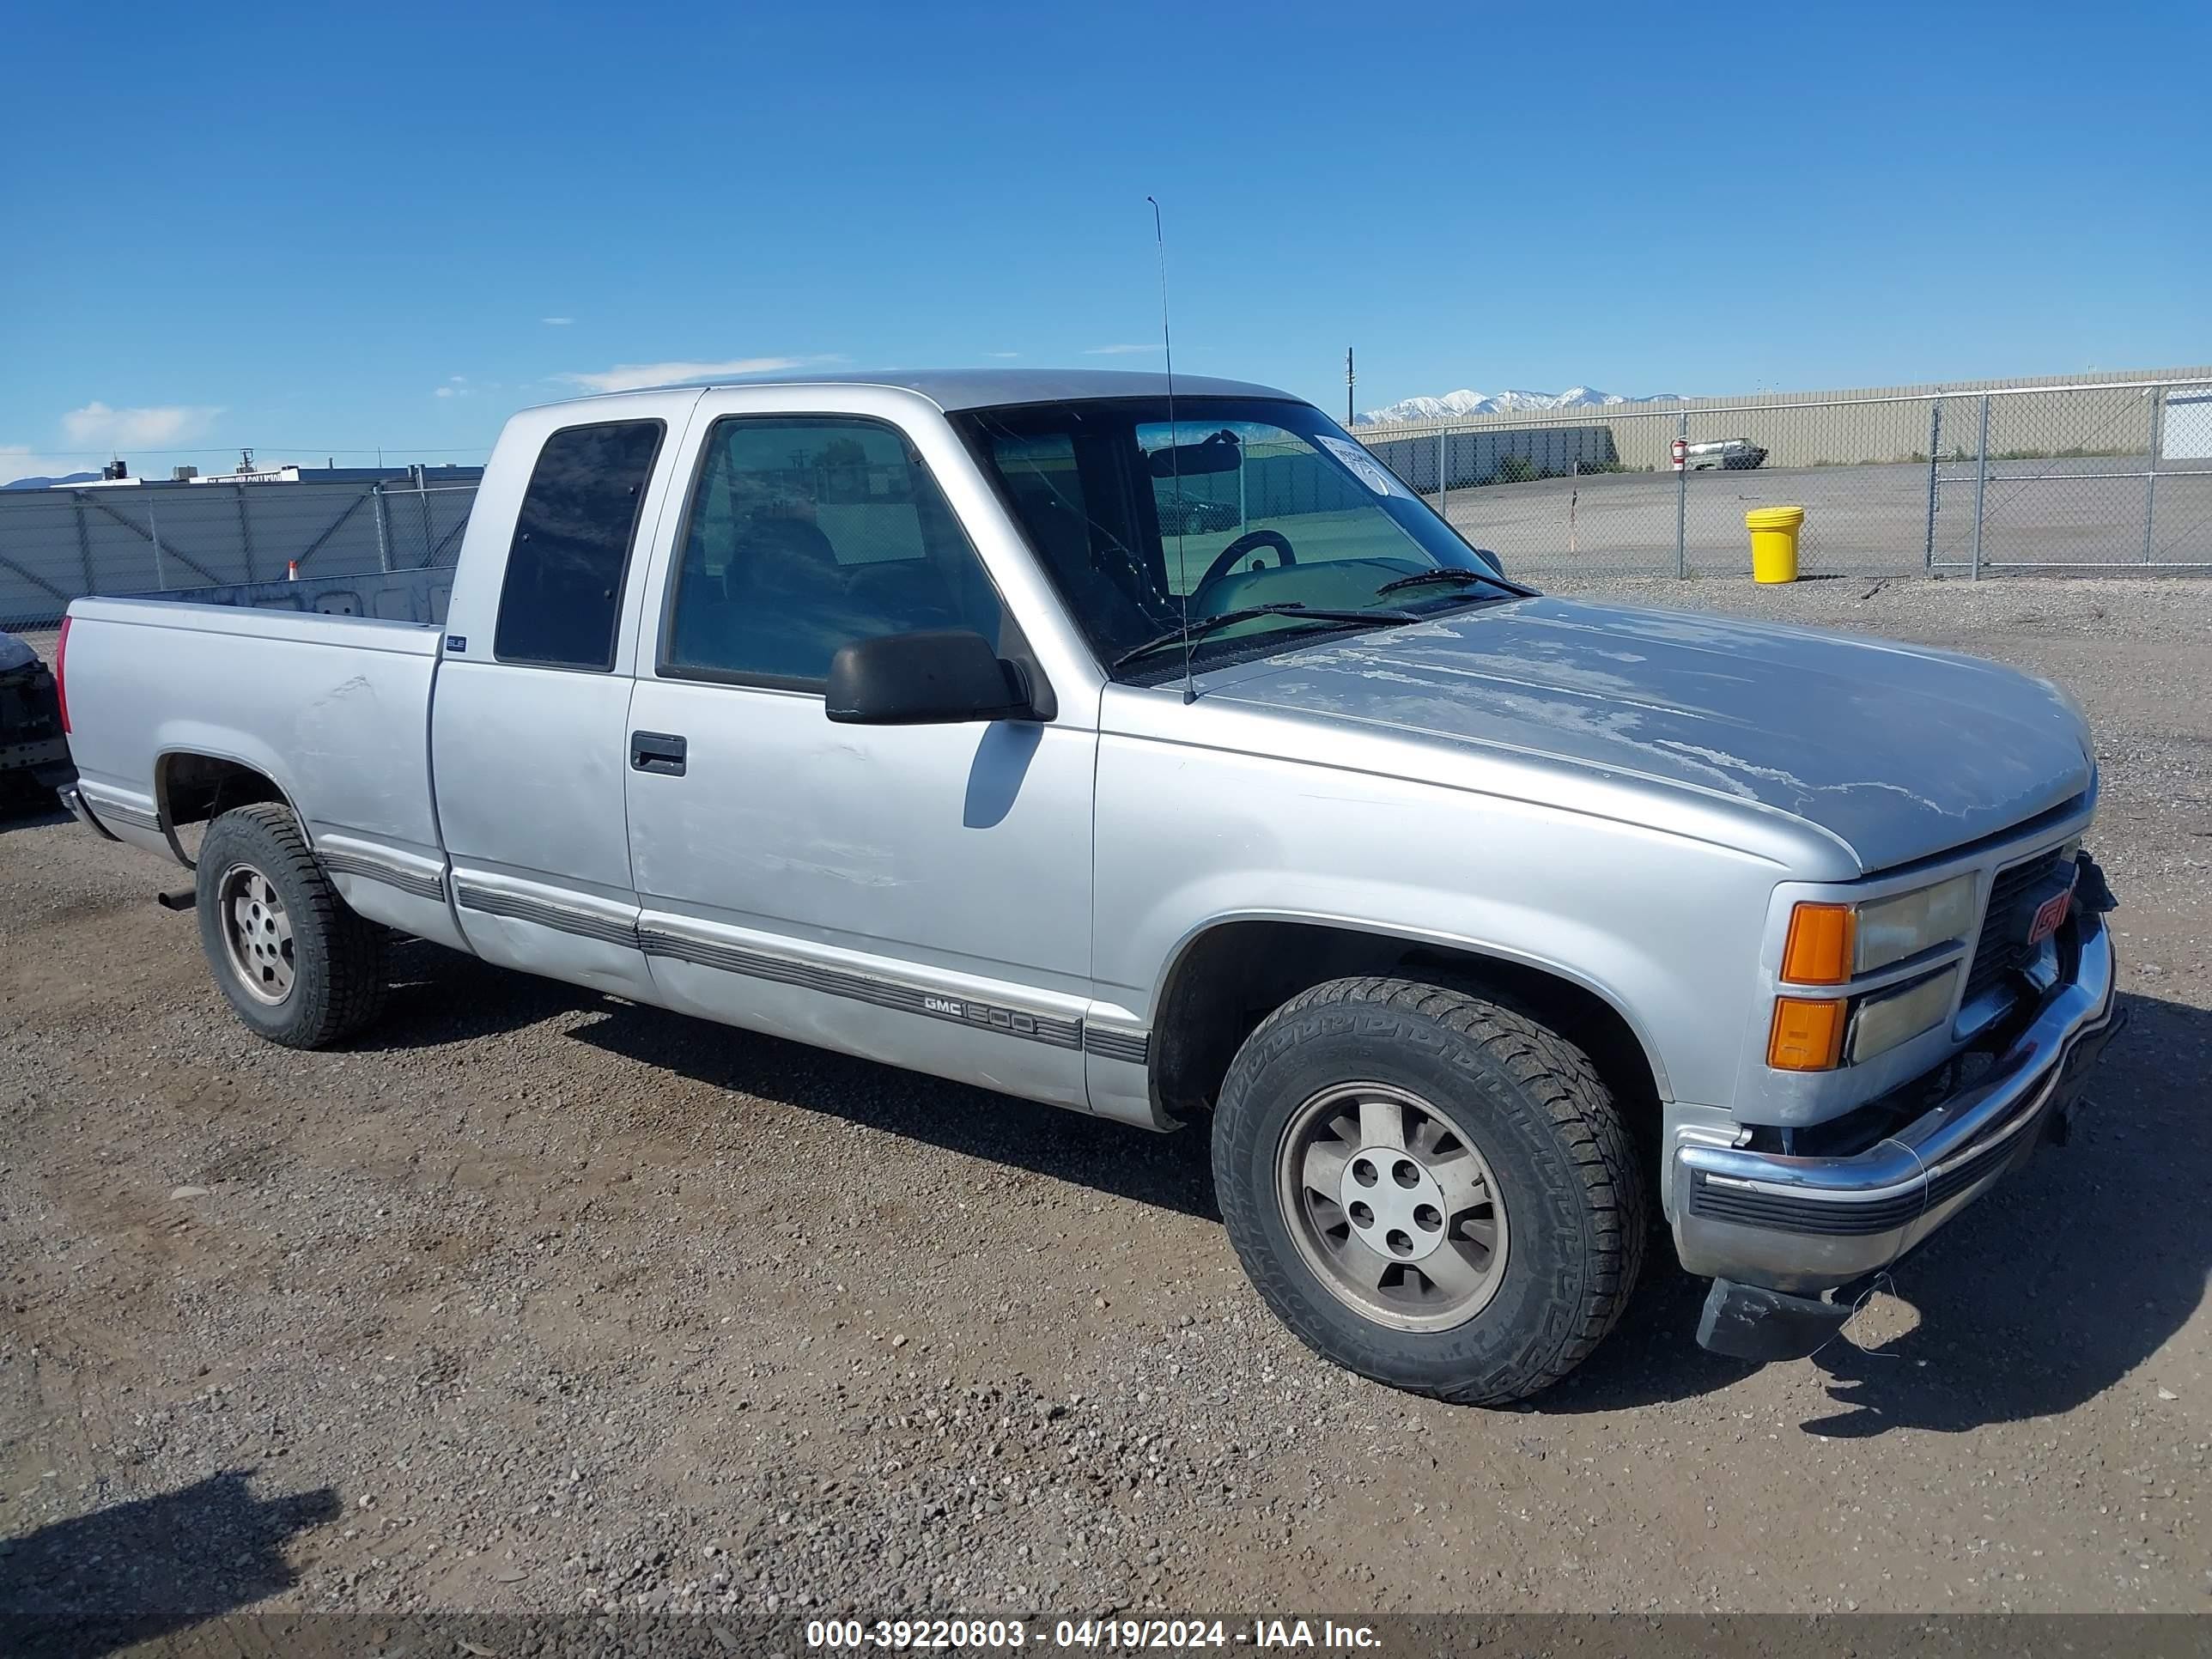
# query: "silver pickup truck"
[[887, 713]]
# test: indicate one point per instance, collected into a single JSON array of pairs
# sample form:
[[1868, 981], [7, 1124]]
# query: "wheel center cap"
[[1395, 1205]]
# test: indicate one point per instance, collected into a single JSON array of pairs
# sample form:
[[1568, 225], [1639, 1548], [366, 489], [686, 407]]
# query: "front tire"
[[291, 956], [1431, 1189]]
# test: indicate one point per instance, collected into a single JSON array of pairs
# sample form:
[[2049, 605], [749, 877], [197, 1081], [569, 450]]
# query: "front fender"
[[1664, 927], [1415, 935]]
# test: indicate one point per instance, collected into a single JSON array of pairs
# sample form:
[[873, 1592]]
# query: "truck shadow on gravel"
[[1170, 1172], [441, 998], [172, 1561], [2043, 1295]]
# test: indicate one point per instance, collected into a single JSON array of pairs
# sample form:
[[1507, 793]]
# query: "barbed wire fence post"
[[1682, 500], [1981, 488], [1934, 484], [153, 535], [383, 528], [2157, 401]]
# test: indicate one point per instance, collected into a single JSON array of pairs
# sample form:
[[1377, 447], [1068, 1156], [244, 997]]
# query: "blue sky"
[[390, 227]]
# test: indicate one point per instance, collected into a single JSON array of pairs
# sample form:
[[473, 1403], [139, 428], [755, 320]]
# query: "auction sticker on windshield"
[[1365, 467]]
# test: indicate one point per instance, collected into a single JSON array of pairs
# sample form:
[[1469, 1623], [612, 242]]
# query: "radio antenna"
[[1175, 454]]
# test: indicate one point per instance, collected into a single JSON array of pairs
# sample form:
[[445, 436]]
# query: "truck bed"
[[414, 596], [333, 707]]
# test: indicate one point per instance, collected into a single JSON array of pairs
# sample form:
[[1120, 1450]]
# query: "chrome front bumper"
[[1808, 1224]]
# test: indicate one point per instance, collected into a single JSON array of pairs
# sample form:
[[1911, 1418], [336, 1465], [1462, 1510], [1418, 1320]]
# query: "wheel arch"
[[1229, 972], [192, 786]]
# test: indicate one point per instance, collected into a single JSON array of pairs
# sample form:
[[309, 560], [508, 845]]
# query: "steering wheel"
[[1226, 559]]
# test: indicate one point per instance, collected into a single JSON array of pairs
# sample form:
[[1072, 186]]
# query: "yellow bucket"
[[1774, 542]]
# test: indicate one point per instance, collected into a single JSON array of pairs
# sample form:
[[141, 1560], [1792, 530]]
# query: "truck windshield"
[[1260, 505]]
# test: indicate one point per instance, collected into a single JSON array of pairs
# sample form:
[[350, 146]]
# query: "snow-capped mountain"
[[1454, 404]]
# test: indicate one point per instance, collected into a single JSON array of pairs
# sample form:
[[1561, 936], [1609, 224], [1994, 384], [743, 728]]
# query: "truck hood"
[[1898, 751]]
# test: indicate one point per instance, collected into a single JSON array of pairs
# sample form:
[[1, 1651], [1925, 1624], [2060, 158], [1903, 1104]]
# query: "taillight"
[[61, 669]]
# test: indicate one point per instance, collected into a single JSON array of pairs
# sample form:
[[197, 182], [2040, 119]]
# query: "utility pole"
[[1349, 377]]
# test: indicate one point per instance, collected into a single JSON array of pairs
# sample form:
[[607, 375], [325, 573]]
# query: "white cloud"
[[626, 377], [100, 427], [1002, 354], [1118, 350], [556, 322], [456, 386]]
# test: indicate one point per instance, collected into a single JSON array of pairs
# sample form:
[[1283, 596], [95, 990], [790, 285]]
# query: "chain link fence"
[[55, 544], [2109, 476]]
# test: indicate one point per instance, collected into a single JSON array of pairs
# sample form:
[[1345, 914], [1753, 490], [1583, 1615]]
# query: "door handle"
[[657, 751]]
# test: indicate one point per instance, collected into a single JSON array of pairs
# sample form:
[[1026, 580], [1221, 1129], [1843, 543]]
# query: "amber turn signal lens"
[[1818, 948], [1807, 1036]]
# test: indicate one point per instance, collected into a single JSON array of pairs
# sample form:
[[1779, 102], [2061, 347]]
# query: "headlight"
[[1830, 943], [1895, 929], [1880, 1023]]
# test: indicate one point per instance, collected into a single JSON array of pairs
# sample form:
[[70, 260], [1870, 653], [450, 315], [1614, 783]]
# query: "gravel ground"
[[534, 1300]]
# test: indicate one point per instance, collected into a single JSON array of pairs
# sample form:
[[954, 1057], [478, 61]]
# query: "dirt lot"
[[535, 1300]]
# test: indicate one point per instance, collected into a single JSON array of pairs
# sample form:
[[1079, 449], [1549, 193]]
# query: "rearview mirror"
[[939, 677], [1219, 453]]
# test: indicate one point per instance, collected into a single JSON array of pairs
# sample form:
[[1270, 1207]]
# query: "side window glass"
[[561, 602], [807, 532]]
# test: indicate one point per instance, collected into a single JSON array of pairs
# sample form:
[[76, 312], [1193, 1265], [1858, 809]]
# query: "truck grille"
[[1997, 953]]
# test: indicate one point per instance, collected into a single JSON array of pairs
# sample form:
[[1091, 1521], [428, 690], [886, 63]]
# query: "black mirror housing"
[[940, 677], [1220, 452]]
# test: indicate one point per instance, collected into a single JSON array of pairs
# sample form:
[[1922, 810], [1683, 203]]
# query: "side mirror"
[[939, 678]]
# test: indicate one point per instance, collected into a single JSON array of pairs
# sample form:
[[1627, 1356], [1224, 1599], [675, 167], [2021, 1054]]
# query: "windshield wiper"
[[1449, 573], [1199, 626]]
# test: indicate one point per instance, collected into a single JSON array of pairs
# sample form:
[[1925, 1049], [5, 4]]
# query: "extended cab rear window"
[[561, 602]]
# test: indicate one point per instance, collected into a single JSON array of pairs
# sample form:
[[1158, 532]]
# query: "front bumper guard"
[[1805, 1225]]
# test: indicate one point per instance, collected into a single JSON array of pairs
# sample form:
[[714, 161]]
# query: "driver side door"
[[917, 894]]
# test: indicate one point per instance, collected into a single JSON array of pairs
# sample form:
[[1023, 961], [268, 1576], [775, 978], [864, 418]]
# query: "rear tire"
[[293, 960], [1492, 1222]]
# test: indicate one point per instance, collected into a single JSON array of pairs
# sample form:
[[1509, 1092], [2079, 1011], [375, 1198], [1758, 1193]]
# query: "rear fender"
[[184, 794]]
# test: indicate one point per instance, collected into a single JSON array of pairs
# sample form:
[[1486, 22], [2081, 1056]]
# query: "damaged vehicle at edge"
[[33, 753]]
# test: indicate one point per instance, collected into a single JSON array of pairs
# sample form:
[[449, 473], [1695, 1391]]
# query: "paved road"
[[534, 1299]]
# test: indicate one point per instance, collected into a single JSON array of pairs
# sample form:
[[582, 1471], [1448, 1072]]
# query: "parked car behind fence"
[[1735, 454]]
